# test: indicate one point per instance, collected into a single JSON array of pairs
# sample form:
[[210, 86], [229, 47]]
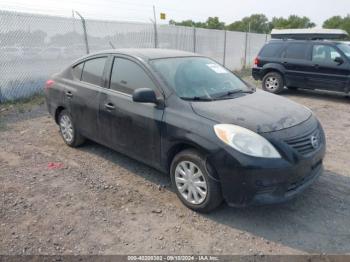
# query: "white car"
[[10, 53], [52, 53]]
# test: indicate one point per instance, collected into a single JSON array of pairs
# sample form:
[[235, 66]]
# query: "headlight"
[[245, 141]]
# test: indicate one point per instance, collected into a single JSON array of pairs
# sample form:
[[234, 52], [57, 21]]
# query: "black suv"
[[303, 64]]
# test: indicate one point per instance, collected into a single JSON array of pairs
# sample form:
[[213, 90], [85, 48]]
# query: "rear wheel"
[[193, 185], [273, 82], [68, 131]]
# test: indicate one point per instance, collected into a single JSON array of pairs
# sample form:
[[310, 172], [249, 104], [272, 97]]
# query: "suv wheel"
[[68, 131], [273, 82], [192, 183]]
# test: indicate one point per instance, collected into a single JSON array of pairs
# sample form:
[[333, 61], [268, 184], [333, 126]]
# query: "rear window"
[[93, 70], [272, 50], [296, 51]]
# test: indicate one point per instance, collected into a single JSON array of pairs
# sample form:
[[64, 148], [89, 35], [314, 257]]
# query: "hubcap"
[[272, 83], [66, 127], [191, 182]]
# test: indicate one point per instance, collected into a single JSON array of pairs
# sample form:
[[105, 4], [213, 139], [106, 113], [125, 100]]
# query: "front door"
[[130, 127], [327, 73]]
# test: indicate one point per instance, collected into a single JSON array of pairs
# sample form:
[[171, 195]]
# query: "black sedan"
[[187, 116]]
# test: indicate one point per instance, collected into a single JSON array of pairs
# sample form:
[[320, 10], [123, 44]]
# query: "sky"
[[198, 10]]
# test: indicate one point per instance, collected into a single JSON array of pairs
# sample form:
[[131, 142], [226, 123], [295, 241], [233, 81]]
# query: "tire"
[[68, 131], [209, 192], [292, 88], [273, 83]]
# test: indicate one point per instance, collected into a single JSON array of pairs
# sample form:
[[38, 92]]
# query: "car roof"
[[309, 33], [147, 53], [304, 41]]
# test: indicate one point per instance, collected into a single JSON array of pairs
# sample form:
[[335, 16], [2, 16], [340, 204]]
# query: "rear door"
[[83, 95], [328, 74], [129, 127], [296, 59]]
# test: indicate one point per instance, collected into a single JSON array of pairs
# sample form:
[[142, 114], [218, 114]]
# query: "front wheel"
[[273, 82], [192, 183]]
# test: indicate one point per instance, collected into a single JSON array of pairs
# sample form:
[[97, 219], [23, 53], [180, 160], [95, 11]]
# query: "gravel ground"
[[96, 201]]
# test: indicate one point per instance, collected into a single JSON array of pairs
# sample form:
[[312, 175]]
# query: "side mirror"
[[144, 95], [339, 60]]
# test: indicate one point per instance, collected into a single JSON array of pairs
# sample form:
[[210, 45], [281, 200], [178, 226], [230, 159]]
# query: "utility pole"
[[155, 28], [84, 30]]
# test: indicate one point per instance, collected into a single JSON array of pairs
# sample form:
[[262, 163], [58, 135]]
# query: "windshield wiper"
[[197, 98], [232, 92]]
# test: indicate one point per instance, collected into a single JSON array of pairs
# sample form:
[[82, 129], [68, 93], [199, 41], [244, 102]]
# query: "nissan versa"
[[188, 116]]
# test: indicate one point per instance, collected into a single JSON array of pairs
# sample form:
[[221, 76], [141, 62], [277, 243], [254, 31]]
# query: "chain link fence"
[[33, 47]]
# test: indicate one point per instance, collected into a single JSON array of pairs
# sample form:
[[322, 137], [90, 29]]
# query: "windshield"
[[198, 78], [345, 48]]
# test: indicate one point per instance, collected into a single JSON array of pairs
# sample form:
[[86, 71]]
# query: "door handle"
[[109, 106], [69, 94], [316, 65]]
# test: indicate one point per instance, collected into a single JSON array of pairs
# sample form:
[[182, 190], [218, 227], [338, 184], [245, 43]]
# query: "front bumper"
[[247, 180], [287, 191]]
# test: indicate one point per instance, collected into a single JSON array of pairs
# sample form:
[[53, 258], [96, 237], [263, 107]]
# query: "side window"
[[272, 50], [77, 70], [296, 51], [324, 54], [334, 54], [127, 76], [93, 70]]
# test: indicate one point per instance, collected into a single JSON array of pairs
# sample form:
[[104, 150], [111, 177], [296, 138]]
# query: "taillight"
[[256, 61], [49, 84]]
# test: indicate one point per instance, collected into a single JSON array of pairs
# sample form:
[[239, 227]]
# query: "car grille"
[[303, 144]]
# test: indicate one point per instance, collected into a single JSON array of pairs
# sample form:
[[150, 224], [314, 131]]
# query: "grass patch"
[[244, 73], [22, 105], [3, 126]]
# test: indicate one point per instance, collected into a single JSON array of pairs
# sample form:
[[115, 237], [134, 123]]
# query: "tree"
[[338, 22], [257, 23], [291, 22], [183, 23], [211, 23], [214, 23]]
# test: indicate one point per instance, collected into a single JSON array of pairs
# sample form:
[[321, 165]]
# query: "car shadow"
[[317, 221], [321, 95]]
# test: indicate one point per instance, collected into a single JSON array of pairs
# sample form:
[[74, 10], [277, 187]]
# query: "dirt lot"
[[100, 202]]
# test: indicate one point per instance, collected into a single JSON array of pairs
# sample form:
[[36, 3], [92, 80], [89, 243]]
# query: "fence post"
[[155, 36], [245, 49], [194, 39], [155, 28], [224, 58], [84, 30]]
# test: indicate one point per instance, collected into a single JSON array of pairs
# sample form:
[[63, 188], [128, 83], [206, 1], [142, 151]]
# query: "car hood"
[[260, 112]]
